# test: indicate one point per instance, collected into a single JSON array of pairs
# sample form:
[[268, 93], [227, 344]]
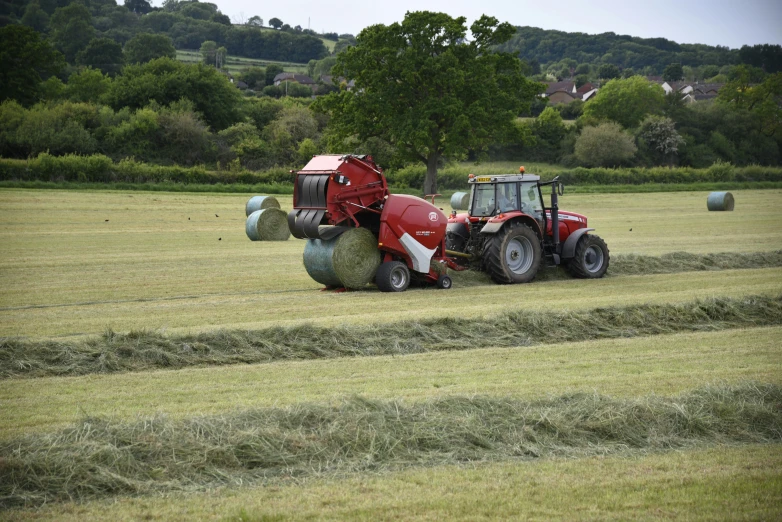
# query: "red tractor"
[[507, 231], [507, 227]]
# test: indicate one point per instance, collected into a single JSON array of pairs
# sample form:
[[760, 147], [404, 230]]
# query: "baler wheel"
[[392, 276], [512, 255], [444, 282], [591, 259]]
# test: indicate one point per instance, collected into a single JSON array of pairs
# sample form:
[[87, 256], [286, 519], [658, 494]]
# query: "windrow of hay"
[[256, 203], [146, 350], [634, 264], [630, 264], [100, 457], [349, 260], [269, 224]]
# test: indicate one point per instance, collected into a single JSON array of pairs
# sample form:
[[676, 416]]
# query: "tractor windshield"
[[531, 203], [482, 201]]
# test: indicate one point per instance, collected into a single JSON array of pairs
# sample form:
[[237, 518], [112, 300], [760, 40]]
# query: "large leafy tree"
[[102, 53], [626, 101], [24, 57], [167, 81], [71, 29], [145, 47], [421, 86]]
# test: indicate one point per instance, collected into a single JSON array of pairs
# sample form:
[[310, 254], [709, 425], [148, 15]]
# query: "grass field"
[[236, 64], [75, 263]]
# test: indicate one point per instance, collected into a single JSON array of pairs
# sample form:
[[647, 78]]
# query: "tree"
[[145, 47], [24, 58], [606, 145], [71, 29], [673, 73], [87, 85], [254, 77], [167, 81], [272, 70], [220, 56], [660, 136], [627, 72], [208, 52], [140, 7], [626, 101], [256, 21], [763, 100], [102, 53], [608, 71], [276, 23], [35, 17], [422, 87]]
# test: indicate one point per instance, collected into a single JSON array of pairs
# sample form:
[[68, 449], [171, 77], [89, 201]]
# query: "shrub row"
[[455, 177], [101, 169]]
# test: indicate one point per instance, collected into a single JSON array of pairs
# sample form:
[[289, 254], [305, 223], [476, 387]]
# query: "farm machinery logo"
[[433, 216]]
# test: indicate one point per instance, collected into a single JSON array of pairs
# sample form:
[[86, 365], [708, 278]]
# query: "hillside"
[[547, 46]]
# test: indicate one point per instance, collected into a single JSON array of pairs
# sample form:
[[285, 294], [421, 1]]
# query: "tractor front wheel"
[[393, 276], [513, 255], [591, 259]]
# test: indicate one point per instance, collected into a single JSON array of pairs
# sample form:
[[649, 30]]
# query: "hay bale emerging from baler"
[[269, 224], [460, 200], [720, 201], [350, 259], [260, 203]]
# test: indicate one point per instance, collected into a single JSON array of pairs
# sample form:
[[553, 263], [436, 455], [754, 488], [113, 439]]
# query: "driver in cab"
[[506, 197]]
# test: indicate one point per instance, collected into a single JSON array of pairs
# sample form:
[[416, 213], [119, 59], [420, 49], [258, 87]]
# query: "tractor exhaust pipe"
[[555, 218]]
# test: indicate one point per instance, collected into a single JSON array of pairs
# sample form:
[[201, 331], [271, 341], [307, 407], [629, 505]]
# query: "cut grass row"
[[99, 458], [147, 350], [721, 483], [661, 364]]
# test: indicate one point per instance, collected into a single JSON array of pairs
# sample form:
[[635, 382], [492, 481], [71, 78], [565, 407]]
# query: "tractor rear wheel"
[[393, 276], [591, 259], [512, 255]]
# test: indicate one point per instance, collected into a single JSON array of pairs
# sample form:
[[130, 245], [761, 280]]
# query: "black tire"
[[591, 259], [393, 276], [513, 255], [444, 282]]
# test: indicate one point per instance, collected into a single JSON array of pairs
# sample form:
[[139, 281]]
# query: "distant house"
[[589, 95], [329, 79], [562, 97], [695, 91], [585, 88], [241, 85], [291, 77], [552, 87]]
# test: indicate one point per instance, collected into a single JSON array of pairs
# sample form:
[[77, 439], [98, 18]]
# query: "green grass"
[[98, 458], [66, 270], [145, 350], [722, 483], [235, 64], [660, 364]]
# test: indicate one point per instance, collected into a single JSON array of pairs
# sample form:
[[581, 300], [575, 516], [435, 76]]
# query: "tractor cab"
[[494, 195]]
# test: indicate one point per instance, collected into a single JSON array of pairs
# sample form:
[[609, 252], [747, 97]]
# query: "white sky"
[[731, 23]]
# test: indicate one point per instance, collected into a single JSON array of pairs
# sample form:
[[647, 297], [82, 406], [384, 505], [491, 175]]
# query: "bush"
[[605, 145]]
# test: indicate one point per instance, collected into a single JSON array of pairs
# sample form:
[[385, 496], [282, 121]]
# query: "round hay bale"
[[350, 259], [259, 203], [460, 200], [720, 201], [269, 224]]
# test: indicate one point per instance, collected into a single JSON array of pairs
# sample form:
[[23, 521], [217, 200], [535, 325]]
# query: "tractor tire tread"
[[576, 265], [493, 255]]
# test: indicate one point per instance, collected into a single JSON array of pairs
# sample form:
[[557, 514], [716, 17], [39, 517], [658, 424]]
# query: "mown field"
[[666, 407], [236, 64]]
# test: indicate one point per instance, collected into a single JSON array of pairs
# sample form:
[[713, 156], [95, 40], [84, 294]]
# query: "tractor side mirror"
[[560, 189]]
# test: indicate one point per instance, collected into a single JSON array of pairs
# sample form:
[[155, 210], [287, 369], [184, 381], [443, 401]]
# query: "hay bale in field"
[[269, 224], [460, 200], [720, 201], [350, 259], [259, 203]]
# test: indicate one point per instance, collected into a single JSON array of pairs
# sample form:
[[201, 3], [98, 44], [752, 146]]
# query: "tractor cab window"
[[482, 201], [507, 197], [530, 201]]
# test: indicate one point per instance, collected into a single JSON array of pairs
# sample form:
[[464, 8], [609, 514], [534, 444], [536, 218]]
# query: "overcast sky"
[[731, 23]]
